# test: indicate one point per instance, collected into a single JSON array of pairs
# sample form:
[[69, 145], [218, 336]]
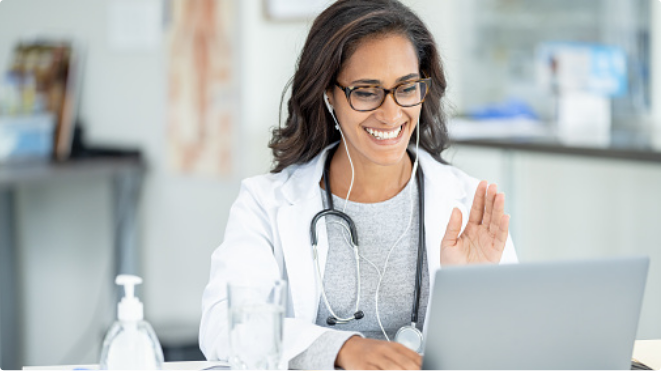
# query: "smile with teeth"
[[383, 135]]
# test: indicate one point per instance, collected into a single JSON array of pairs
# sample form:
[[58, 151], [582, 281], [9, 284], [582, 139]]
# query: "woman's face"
[[381, 136]]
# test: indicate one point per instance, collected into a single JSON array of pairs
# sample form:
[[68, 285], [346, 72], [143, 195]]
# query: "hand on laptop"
[[358, 353], [485, 235]]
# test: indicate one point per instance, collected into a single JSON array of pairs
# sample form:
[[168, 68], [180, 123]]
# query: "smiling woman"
[[334, 38], [378, 134], [364, 120]]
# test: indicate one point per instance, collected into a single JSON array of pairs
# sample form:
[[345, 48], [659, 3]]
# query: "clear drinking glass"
[[256, 311]]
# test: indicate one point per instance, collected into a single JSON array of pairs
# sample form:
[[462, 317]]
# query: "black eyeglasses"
[[370, 97]]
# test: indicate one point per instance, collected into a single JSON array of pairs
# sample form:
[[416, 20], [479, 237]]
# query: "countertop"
[[632, 143]]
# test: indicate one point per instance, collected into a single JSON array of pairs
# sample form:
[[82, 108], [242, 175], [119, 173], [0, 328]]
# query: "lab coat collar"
[[440, 177], [303, 184], [443, 191]]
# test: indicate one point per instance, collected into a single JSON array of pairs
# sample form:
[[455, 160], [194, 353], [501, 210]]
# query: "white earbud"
[[328, 105], [337, 126], [331, 110]]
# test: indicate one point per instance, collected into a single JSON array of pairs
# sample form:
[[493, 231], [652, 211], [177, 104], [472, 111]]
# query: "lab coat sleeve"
[[509, 254], [247, 251]]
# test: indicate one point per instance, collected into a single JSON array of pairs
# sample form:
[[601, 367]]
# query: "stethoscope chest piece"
[[410, 337]]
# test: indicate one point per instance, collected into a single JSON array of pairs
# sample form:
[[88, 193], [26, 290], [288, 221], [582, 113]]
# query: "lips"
[[385, 134]]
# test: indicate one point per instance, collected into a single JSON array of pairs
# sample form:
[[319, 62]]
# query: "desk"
[[646, 351], [197, 365], [125, 173]]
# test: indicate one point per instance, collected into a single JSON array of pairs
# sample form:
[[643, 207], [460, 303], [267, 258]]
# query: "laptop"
[[554, 315]]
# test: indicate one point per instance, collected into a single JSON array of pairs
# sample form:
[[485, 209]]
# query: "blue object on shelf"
[[510, 109], [28, 137]]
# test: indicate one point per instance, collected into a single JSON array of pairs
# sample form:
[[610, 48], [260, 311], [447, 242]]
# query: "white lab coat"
[[268, 235]]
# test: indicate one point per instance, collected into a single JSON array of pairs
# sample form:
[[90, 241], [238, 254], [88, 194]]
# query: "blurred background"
[[126, 127]]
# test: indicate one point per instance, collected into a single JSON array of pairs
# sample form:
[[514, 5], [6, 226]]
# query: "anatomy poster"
[[203, 93]]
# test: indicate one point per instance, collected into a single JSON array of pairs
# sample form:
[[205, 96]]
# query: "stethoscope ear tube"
[[331, 210], [421, 245], [332, 321], [337, 213]]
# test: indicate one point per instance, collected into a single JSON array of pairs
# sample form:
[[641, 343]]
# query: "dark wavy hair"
[[335, 35]]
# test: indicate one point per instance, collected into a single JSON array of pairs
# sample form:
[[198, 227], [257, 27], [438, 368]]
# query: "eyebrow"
[[378, 82]]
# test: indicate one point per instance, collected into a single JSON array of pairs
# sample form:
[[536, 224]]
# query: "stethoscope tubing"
[[421, 245], [330, 210]]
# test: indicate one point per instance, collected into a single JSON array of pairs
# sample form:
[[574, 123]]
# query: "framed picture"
[[291, 10], [203, 97], [50, 69]]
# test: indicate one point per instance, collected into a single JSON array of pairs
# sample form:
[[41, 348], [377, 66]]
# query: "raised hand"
[[485, 235]]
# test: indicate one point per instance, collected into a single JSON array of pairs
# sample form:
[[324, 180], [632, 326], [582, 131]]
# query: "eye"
[[408, 89], [366, 94]]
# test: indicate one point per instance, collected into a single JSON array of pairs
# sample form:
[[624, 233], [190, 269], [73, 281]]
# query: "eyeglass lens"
[[370, 98]]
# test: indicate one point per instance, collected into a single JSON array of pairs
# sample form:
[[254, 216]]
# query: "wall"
[[656, 61], [182, 218], [65, 226]]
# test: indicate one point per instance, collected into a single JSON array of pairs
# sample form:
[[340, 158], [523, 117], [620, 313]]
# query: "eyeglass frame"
[[350, 89]]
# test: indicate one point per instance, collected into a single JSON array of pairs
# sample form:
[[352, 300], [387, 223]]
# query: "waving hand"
[[485, 235]]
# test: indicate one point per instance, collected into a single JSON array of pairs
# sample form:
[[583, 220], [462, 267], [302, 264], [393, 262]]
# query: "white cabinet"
[[574, 207]]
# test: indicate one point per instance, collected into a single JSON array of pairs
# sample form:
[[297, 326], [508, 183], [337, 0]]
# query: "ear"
[[328, 101]]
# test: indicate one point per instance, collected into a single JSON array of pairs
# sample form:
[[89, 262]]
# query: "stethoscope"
[[408, 335]]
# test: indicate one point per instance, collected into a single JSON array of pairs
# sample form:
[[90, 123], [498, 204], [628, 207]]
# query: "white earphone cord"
[[378, 272], [337, 125], [385, 266]]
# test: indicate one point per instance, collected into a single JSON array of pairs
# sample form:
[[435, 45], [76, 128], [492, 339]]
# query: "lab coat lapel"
[[442, 194], [294, 226]]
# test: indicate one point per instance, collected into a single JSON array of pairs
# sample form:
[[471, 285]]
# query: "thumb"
[[453, 229]]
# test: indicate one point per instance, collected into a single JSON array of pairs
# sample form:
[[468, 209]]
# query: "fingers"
[[497, 213], [369, 354], [491, 196], [477, 210], [453, 229], [502, 233], [404, 358]]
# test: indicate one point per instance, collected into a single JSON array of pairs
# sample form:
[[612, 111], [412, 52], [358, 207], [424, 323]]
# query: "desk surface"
[[200, 365], [645, 351], [648, 352]]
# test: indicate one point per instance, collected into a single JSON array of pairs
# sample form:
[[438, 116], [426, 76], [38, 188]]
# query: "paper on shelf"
[[461, 128]]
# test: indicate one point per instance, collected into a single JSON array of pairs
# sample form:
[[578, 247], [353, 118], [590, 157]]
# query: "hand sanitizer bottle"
[[131, 343]]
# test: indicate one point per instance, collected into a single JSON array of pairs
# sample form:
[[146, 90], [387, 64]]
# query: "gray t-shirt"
[[379, 226]]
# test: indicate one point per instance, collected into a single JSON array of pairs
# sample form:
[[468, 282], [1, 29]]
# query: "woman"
[[369, 77]]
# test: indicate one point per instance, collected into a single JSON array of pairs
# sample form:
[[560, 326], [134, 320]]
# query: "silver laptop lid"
[[555, 315]]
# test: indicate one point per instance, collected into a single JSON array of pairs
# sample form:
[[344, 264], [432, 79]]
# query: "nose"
[[390, 112]]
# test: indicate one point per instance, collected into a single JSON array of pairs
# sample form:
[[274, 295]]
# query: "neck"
[[372, 182]]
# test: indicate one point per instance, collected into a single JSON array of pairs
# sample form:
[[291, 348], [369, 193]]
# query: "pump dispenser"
[[129, 308], [131, 343]]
